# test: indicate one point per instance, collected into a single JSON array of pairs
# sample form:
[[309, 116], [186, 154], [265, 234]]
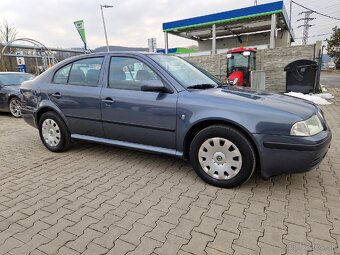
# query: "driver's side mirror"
[[153, 86]]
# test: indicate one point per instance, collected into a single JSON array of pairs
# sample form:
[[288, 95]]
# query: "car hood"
[[260, 99], [15, 88]]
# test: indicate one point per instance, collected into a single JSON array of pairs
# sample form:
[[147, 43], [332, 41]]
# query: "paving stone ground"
[[97, 199]]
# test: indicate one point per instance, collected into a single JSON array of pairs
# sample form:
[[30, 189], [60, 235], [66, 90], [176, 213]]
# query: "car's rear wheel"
[[15, 107], [53, 132], [222, 156]]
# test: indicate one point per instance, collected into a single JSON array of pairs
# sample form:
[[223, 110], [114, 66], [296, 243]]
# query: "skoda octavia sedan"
[[10, 91], [163, 104]]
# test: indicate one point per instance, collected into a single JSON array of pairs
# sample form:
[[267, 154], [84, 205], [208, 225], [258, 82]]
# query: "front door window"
[[128, 73]]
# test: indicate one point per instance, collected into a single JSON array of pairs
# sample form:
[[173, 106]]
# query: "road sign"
[[20, 60], [22, 68]]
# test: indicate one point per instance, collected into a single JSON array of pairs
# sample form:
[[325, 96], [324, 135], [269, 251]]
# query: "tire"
[[14, 106], [53, 132], [222, 156]]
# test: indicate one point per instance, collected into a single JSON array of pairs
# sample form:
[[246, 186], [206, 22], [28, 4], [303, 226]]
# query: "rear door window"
[[84, 72]]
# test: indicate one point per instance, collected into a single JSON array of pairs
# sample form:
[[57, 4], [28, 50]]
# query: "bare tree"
[[7, 33]]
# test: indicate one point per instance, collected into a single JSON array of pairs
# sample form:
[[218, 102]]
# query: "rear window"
[[61, 76]]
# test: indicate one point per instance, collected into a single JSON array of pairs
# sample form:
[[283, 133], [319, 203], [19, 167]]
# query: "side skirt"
[[128, 145]]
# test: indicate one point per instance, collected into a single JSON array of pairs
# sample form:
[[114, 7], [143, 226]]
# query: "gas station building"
[[261, 26]]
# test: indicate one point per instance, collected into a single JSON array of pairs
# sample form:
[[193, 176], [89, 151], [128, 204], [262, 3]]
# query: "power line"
[[324, 25], [315, 11], [322, 29], [315, 35], [322, 8]]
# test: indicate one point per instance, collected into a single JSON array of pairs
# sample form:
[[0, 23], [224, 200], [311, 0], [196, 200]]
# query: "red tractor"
[[240, 62]]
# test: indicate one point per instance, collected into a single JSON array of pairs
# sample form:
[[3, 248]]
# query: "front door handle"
[[56, 95], [108, 101]]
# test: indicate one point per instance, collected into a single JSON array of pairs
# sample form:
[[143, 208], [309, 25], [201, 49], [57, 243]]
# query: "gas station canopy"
[[232, 23]]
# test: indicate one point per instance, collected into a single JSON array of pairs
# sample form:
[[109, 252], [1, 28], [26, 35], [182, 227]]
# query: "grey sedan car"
[[10, 91], [163, 104]]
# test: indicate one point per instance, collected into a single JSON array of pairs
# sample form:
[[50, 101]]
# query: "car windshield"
[[12, 79], [187, 74]]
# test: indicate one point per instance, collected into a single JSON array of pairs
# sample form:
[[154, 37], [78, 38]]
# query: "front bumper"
[[288, 154]]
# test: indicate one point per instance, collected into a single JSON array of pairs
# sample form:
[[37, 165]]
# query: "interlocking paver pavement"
[[97, 199]]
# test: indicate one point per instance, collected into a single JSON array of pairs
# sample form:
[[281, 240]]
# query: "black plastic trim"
[[298, 147]]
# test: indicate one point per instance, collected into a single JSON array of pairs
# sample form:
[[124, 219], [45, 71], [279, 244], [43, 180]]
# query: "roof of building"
[[244, 20]]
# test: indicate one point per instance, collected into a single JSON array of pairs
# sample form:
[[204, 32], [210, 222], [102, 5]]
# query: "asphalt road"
[[330, 79]]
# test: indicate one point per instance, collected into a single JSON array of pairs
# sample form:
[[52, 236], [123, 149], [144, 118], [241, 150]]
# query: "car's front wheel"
[[15, 107], [53, 132], [222, 156]]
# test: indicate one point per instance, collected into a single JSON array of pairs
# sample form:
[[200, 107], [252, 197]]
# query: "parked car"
[[331, 66], [324, 67], [163, 104], [10, 91]]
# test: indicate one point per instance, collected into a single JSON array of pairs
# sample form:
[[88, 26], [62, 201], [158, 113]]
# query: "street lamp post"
[[101, 8]]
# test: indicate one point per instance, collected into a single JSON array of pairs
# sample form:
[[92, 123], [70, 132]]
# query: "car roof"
[[100, 54], [121, 52]]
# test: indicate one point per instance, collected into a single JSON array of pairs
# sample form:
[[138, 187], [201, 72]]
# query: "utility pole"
[[101, 9], [306, 25], [290, 13]]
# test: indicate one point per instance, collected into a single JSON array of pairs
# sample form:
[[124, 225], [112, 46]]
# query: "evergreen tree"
[[333, 47]]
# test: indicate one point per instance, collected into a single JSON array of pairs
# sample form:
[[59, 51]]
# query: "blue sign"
[[22, 68]]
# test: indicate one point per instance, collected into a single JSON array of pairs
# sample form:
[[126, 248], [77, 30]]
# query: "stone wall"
[[272, 61], [215, 64]]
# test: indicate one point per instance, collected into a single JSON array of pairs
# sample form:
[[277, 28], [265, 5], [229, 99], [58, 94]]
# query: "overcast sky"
[[132, 22]]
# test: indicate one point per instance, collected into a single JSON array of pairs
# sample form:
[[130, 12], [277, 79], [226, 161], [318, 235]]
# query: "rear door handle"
[[108, 101], [56, 95]]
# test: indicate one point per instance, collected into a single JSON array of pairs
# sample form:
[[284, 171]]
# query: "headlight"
[[235, 81], [309, 127]]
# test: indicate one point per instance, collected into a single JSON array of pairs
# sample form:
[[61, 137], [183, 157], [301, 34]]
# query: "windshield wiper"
[[222, 84], [11, 84], [202, 86]]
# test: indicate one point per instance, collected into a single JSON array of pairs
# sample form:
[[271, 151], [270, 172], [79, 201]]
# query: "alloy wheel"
[[15, 107]]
